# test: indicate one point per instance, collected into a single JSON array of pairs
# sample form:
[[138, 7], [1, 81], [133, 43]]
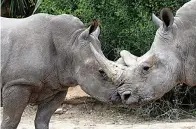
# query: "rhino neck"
[[65, 63], [186, 45], [186, 49], [64, 31]]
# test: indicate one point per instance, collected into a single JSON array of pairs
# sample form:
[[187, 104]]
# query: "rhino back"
[[187, 12], [27, 45], [26, 48]]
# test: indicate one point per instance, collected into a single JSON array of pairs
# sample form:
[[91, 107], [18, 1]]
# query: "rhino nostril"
[[126, 95]]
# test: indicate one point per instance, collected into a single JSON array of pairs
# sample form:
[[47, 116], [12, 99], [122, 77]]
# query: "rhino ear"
[[121, 61], [156, 20], [167, 17], [96, 32], [128, 58], [93, 29], [93, 26]]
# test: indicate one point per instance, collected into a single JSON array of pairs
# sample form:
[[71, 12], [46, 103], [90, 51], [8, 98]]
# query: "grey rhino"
[[42, 56], [171, 59]]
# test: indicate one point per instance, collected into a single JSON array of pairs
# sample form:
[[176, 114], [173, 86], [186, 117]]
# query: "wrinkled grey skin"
[[171, 59], [42, 56]]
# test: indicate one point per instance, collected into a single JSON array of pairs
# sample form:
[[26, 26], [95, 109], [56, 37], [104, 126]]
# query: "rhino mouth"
[[133, 100], [141, 102], [134, 105], [145, 101], [138, 103]]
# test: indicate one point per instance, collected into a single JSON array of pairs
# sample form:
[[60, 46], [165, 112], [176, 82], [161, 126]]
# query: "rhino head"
[[97, 76], [170, 60]]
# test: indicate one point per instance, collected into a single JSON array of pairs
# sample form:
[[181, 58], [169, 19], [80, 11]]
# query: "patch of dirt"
[[83, 112], [75, 92]]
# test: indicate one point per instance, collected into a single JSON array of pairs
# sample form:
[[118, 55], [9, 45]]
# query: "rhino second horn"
[[110, 68], [128, 58]]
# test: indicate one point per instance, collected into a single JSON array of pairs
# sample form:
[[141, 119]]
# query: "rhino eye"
[[102, 73], [146, 68]]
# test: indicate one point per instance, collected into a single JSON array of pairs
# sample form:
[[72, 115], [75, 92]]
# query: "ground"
[[83, 112]]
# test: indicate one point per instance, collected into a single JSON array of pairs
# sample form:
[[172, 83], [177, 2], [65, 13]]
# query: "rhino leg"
[[46, 109], [15, 99]]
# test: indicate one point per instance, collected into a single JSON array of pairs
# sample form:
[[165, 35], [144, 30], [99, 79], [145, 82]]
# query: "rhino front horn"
[[112, 69]]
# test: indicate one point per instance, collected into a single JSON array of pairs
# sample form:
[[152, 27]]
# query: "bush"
[[125, 24], [19, 8]]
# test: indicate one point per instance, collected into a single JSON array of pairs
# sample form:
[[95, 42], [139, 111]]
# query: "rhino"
[[42, 55], [170, 61]]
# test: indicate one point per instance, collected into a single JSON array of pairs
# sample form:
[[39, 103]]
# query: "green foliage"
[[125, 24], [19, 8]]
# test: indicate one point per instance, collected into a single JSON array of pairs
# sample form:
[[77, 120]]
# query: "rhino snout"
[[128, 98]]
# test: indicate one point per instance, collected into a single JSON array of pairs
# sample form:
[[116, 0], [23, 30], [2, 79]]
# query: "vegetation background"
[[125, 24]]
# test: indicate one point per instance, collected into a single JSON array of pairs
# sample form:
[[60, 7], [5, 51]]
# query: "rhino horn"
[[128, 58], [112, 69]]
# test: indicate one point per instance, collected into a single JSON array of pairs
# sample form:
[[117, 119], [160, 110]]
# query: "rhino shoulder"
[[66, 21]]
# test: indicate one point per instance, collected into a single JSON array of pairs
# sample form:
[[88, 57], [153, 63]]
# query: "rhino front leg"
[[46, 109], [15, 99]]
